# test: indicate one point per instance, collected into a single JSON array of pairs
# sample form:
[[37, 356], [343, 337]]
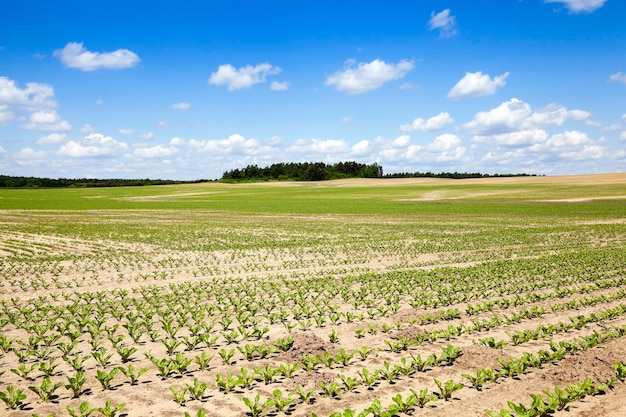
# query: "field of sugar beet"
[[485, 297]]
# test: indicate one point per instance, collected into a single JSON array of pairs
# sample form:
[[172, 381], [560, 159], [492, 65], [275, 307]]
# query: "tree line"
[[7, 181], [292, 171], [304, 171], [452, 175], [319, 171]]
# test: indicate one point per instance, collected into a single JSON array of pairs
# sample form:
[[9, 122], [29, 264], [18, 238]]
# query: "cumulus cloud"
[[36, 99], [434, 123], [181, 106], [476, 84], [87, 128], [35, 96], [93, 145], [444, 22], [506, 117], [6, 115], [319, 146], [244, 77], [279, 86], [361, 148], [580, 6], [619, 77], [176, 141], [571, 145], [46, 120], [74, 55], [363, 77], [555, 115], [29, 154], [516, 115], [52, 138], [514, 139], [147, 135], [126, 131], [157, 151], [446, 147], [233, 145]]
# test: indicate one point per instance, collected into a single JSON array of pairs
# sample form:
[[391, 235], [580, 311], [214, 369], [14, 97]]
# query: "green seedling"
[[46, 389], [446, 389], [13, 397], [108, 410], [75, 383]]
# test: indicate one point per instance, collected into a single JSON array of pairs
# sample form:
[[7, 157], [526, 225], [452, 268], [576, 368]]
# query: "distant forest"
[[34, 182], [318, 171], [453, 175], [304, 171], [300, 171]]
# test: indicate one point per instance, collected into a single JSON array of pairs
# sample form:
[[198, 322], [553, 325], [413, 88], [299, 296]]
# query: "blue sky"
[[190, 89]]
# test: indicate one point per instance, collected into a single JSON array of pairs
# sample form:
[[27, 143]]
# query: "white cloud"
[[506, 117], [434, 123], [52, 138], [476, 84], [446, 147], [361, 148], [444, 22], [443, 149], [279, 86], [126, 131], [364, 77], [177, 141], [514, 115], [6, 115], [157, 151], [579, 115], [30, 154], [555, 115], [319, 146], [623, 135], [347, 119], [401, 141], [244, 77], [47, 120], [34, 97], [74, 55], [181, 106], [571, 145], [515, 139], [619, 77], [578, 6], [147, 135], [87, 128], [233, 145], [93, 145]]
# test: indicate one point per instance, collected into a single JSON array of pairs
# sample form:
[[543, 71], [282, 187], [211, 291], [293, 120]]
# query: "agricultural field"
[[485, 297]]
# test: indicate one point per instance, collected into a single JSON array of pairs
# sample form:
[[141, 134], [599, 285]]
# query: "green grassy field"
[[491, 269]]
